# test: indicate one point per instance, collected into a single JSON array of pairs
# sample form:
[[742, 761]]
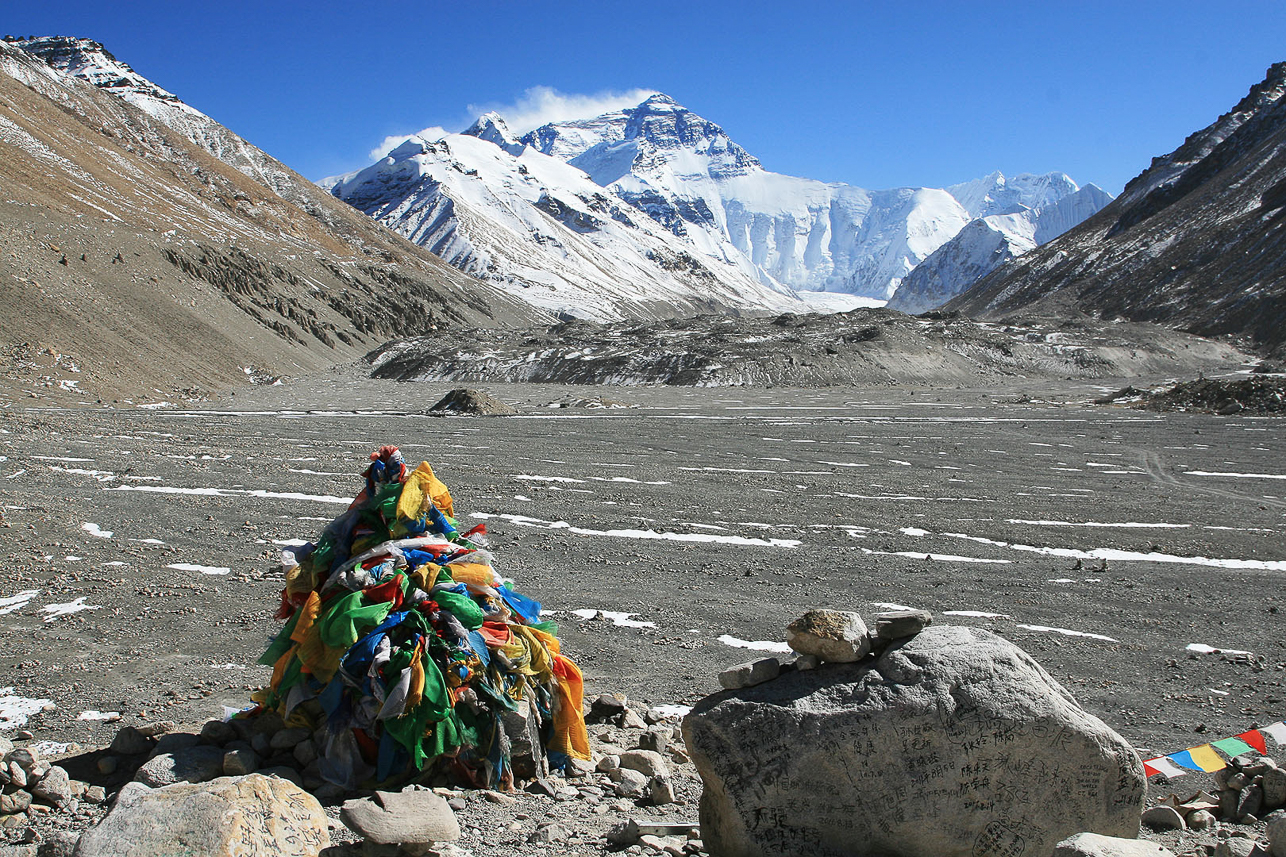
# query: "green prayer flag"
[[1232, 746]]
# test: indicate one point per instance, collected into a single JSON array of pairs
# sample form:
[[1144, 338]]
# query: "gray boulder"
[[390, 818], [954, 742], [1094, 845], [1277, 834], [227, 817], [196, 764], [837, 636]]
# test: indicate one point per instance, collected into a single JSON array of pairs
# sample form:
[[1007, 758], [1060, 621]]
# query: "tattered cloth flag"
[[405, 652], [1204, 758]]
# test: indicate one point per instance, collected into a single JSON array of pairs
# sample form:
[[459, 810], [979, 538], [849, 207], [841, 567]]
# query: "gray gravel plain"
[[708, 512]]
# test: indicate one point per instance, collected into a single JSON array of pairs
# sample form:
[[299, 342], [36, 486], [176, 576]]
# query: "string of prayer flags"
[[1204, 758]]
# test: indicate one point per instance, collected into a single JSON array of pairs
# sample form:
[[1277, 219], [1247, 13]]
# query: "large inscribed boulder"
[[954, 742], [227, 817]]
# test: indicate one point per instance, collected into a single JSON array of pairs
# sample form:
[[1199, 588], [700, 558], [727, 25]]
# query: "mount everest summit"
[[654, 205]]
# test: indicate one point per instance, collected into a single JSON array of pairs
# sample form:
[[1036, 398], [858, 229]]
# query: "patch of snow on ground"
[[888, 605], [935, 557], [1123, 555], [1203, 649], [96, 531], [620, 620], [756, 645], [14, 603], [203, 569], [14, 710], [49, 749], [652, 535], [1066, 632], [975, 614], [234, 492], [99, 715], [672, 710], [1125, 525], [57, 610], [1235, 475]]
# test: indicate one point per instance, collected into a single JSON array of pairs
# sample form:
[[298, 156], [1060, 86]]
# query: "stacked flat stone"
[[829, 637], [1250, 787], [28, 780]]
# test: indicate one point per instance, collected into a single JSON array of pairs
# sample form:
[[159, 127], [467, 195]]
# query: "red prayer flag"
[[1148, 770], [1255, 739]]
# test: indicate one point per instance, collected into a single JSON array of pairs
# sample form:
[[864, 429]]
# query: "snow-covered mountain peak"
[[491, 127], [91, 62], [998, 194]]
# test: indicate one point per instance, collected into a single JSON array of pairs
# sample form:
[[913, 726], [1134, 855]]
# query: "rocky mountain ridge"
[[1194, 242], [136, 263]]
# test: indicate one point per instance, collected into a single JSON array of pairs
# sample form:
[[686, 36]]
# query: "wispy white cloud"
[[392, 142], [541, 104], [535, 107]]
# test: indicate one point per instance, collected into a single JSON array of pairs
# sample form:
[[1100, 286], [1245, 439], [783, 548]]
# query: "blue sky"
[[874, 94]]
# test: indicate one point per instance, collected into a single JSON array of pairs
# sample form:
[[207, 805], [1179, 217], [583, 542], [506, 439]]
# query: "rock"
[[1274, 786], [284, 772], [1236, 846], [1095, 845], [19, 851], [197, 764], [1250, 801], [1277, 834], [96, 794], [218, 732], [1164, 818], [549, 832], [836, 636], [6, 746], [608, 763], [54, 787], [59, 843], [499, 798], [526, 752], [897, 624], [956, 723], [412, 817], [750, 673], [604, 709], [174, 742], [16, 776], [156, 728], [108, 764], [229, 817], [646, 762], [806, 662], [476, 402], [1200, 819], [630, 719], [542, 786], [14, 802], [22, 758], [305, 752], [655, 739], [286, 739], [661, 791], [238, 763], [579, 768], [629, 783], [129, 741], [1228, 799]]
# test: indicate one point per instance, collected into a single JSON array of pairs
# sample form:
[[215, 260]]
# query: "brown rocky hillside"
[[135, 264]]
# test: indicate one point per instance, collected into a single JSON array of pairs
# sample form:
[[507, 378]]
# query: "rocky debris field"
[[864, 346], [1136, 556], [1259, 396]]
